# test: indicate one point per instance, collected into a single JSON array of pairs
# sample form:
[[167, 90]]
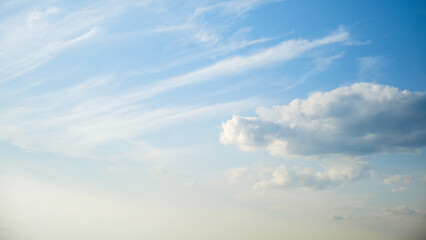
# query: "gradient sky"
[[242, 119]]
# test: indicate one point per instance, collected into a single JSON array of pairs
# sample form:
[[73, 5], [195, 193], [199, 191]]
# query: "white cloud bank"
[[354, 120], [307, 178]]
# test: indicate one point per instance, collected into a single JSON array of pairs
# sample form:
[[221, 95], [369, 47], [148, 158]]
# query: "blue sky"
[[212, 119]]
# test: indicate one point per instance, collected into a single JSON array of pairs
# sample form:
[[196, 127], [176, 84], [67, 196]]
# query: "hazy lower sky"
[[239, 120]]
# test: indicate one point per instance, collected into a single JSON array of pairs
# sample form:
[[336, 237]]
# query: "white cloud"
[[36, 15], [354, 120], [285, 51], [320, 64], [83, 121], [369, 67], [161, 171], [281, 176], [339, 217], [188, 184], [401, 189], [402, 210], [235, 7], [29, 38], [398, 179], [77, 121], [369, 63], [200, 24], [236, 175]]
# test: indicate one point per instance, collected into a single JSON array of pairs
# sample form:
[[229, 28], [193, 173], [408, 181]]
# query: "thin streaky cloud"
[[267, 119], [40, 35], [284, 51], [236, 7], [320, 65], [370, 67], [79, 131]]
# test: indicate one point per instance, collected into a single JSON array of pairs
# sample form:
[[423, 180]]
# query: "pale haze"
[[234, 120]]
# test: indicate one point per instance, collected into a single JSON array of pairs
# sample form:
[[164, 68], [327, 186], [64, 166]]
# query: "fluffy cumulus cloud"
[[262, 177], [355, 120]]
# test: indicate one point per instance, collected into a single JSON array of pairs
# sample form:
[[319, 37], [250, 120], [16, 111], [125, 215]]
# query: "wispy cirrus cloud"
[[320, 64], [235, 7], [31, 37], [198, 25], [91, 113], [285, 51], [370, 67], [63, 123]]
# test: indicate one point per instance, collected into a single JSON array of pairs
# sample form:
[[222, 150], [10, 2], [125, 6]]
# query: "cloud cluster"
[[80, 120], [282, 176], [403, 210], [338, 217], [398, 179], [370, 66], [161, 171], [355, 120], [282, 52], [29, 38], [401, 189]]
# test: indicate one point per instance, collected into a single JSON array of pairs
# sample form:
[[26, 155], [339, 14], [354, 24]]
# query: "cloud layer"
[[398, 179], [355, 120], [403, 210], [282, 176]]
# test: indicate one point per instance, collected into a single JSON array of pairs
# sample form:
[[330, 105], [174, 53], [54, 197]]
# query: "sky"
[[240, 119]]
